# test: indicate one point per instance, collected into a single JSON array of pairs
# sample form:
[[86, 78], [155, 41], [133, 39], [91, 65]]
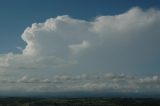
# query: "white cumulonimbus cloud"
[[125, 43]]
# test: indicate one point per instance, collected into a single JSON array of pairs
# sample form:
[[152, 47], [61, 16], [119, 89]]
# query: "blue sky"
[[83, 45]]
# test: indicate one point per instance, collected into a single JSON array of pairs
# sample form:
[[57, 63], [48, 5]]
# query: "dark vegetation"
[[79, 102]]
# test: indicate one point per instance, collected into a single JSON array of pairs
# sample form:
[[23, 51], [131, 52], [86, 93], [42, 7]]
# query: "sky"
[[80, 46]]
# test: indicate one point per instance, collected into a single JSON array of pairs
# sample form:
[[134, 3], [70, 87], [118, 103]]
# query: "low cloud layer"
[[102, 82], [124, 43]]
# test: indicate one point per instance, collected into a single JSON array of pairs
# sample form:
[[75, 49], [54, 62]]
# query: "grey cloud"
[[107, 82]]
